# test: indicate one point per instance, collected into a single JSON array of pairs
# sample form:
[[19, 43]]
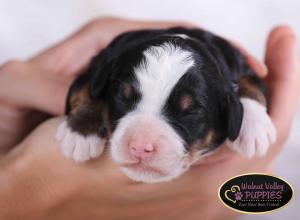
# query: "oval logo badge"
[[255, 193]]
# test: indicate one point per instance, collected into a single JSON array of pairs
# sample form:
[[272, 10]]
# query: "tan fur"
[[201, 144], [80, 97], [185, 102], [250, 90]]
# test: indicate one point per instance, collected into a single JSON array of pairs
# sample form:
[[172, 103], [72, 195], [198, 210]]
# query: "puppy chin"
[[140, 173], [160, 170]]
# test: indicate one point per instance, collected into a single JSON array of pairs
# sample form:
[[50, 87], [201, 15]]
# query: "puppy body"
[[162, 99]]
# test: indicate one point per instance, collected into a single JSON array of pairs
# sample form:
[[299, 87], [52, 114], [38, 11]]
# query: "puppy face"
[[166, 110], [147, 141]]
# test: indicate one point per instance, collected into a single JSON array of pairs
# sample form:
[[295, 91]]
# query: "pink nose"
[[141, 150]]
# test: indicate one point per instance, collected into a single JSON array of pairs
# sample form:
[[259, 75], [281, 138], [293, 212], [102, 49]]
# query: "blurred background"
[[27, 27]]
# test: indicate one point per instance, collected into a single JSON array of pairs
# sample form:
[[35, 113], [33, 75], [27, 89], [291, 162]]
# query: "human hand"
[[40, 84], [26, 90], [56, 188]]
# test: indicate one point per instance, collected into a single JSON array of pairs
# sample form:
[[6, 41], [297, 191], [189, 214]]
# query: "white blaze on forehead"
[[163, 67]]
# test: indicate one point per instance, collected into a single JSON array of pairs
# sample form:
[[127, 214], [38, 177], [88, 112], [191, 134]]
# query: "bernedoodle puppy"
[[163, 99]]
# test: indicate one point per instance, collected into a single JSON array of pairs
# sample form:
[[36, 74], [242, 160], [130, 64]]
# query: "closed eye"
[[124, 94]]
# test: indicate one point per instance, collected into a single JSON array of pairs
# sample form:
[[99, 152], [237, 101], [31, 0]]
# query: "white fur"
[[257, 131], [78, 147], [163, 67]]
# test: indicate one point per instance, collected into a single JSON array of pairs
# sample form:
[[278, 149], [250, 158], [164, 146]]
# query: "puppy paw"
[[77, 146], [257, 131]]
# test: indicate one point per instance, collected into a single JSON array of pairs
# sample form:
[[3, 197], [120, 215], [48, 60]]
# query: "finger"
[[71, 55], [25, 87], [257, 66], [75, 52], [50, 95], [283, 80]]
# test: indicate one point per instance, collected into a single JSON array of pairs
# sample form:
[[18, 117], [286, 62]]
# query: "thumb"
[[283, 80], [50, 93]]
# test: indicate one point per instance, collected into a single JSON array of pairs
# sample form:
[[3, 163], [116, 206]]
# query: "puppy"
[[162, 100]]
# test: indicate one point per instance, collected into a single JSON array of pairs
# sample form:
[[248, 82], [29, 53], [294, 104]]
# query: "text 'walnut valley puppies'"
[[163, 99]]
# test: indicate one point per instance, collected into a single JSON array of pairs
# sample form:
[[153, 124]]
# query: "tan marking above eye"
[[185, 102], [127, 90]]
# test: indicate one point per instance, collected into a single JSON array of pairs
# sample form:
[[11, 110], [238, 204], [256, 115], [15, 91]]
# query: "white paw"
[[257, 132], [78, 147]]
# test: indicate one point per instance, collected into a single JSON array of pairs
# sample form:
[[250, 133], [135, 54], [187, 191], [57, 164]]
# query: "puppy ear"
[[89, 84], [234, 111], [78, 93], [233, 64], [100, 71]]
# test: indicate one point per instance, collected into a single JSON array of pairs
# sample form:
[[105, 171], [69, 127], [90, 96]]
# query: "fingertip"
[[255, 64], [281, 32], [282, 57], [259, 68], [281, 29]]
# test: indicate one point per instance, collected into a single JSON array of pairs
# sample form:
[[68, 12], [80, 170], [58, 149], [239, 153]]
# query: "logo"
[[255, 193]]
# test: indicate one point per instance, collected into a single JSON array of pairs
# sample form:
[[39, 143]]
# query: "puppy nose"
[[141, 150]]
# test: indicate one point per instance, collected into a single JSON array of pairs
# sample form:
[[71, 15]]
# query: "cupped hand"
[[41, 184], [29, 89]]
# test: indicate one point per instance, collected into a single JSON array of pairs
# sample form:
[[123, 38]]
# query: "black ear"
[[74, 92], [100, 71], [234, 112]]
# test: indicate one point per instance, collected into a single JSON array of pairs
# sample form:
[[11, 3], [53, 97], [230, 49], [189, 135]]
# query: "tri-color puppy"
[[162, 100]]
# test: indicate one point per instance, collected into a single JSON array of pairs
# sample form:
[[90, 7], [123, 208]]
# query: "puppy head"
[[165, 108]]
